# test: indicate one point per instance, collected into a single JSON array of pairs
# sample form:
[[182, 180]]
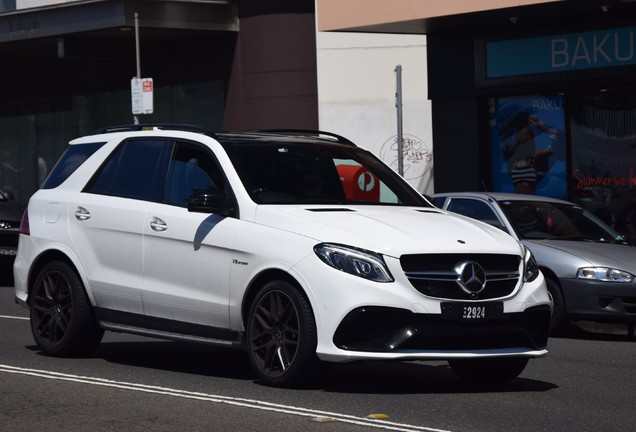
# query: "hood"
[[618, 256], [389, 230]]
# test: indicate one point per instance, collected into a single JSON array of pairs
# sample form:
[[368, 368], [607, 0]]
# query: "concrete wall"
[[273, 79], [356, 93]]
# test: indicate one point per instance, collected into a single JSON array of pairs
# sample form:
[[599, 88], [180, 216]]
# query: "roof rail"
[[148, 126], [339, 138]]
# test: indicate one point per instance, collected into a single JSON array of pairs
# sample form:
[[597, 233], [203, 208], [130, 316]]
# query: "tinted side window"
[[134, 170], [71, 159], [475, 209], [192, 169]]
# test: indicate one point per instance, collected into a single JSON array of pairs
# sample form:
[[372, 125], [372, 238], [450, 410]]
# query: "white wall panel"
[[356, 93]]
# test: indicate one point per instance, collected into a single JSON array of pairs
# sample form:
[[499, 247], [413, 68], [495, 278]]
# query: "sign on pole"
[[141, 90]]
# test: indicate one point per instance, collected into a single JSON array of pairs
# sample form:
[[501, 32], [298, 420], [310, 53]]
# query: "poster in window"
[[603, 132], [528, 145]]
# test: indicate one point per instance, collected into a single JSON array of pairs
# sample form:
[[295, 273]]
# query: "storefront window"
[[528, 145], [7, 5], [603, 136], [33, 137]]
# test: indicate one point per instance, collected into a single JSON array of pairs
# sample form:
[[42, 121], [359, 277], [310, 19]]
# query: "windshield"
[[275, 172], [539, 220]]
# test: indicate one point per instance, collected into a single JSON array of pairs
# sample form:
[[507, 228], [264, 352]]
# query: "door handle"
[[82, 214], [157, 224]]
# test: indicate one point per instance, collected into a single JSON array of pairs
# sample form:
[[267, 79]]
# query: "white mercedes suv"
[[296, 246]]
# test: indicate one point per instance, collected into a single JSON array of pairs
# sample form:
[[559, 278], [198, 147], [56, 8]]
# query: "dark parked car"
[[589, 268], [10, 215]]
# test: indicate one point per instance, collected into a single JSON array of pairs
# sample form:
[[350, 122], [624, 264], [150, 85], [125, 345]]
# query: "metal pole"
[[398, 105], [137, 55]]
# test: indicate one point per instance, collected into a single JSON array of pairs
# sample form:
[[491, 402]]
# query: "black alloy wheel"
[[281, 335], [62, 320]]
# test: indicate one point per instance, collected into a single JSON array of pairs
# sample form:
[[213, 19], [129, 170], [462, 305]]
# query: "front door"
[[187, 255]]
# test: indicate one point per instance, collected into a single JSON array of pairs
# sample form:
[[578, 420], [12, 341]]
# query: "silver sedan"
[[589, 268]]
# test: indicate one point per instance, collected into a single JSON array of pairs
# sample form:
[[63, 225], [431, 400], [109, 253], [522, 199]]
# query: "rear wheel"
[[281, 335], [489, 370], [62, 320]]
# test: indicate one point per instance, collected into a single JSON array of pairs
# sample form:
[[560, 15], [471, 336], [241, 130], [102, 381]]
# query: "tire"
[[559, 319], [281, 335], [62, 320], [489, 370]]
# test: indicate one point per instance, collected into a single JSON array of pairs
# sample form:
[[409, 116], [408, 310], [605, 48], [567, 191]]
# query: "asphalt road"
[[586, 383]]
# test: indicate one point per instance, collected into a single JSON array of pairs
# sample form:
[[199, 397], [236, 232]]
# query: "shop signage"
[[559, 53], [583, 181]]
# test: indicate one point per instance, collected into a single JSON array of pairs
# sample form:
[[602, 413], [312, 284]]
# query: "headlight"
[[367, 265], [530, 266], [604, 274]]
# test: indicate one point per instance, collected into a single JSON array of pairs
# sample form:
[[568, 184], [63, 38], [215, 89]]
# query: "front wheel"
[[281, 335], [559, 318], [62, 320], [488, 370]]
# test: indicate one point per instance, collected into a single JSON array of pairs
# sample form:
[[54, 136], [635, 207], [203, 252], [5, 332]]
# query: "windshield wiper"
[[612, 241], [572, 238]]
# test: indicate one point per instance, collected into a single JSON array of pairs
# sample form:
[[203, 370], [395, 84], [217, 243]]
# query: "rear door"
[[107, 222]]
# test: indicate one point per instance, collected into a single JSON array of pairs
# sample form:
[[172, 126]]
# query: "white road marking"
[[247, 403], [14, 317]]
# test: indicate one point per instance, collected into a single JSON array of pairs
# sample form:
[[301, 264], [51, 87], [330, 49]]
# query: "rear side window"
[[71, 159], [134, 170]]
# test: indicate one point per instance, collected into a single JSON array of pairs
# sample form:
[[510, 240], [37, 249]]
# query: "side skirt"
[[160, 328]]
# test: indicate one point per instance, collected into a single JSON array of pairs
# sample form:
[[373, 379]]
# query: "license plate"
[[472, 311], [8, 252]]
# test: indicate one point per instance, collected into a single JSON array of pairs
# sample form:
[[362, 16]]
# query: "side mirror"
[[210, 201]]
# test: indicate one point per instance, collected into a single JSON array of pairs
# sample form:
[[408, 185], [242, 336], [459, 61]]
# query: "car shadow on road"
[[585, 330], [179, 357], [414, 377], [372, 377]]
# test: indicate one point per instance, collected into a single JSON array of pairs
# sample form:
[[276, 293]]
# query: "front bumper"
[[600, 301], [390, 330], [359, 319]]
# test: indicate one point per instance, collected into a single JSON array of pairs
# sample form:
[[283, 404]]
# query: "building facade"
[[224, 64], [358, 77], [67, 67], [527, 96]]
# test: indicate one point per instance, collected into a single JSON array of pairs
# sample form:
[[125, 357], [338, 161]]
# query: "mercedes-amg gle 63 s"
[[297, 247]]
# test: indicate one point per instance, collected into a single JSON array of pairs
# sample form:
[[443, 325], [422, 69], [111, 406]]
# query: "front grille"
[[9, 225], [9, 238], [378, 329], [434, 275]]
